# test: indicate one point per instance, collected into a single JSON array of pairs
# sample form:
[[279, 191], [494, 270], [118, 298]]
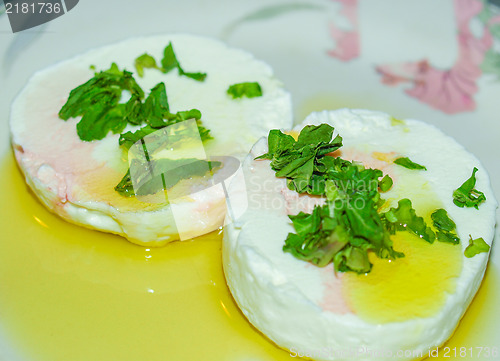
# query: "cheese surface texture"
[[76, 179], [402, 307]]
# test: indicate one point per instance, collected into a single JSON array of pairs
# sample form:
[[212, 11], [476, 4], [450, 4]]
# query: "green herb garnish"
[[156, 106], [156, 112], [170, 62], [445, 227], [97, 101], [128, 139], [396, 122], [163, 174], [145, 61], [385, 183], [407, 163], [99, 120], [342, 233], [404, 218], [348, 226], [248, 89], [467, 195], [321, 239], [476, 246], [302, 161]]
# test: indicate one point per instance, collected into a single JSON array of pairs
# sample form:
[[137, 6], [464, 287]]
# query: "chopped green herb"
[[97, 101], [145, 61], [104, 89], [302, 161], [348, 226], [399, 123], [129, 138], [170, 62], [407, 163], [342, 236], [385, 183], [248, 89], [442, 221], [445, 227], [164, 174], [467, 195], [405, 218], [188, 114], [134, 113], [447, 237], [156, 106], [476, 246], [125, 187], [99, 120], [156, 113], [196, 76], [396, 122]]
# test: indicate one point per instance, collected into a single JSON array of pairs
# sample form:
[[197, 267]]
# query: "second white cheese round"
[[75, 179], [315, 313]]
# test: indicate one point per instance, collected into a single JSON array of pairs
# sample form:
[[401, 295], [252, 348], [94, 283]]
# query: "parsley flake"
[[466, 195], [170, 62], [145, 61], [164, 174], [404, 218], [348, 226], [408, 163], [97, 101], [445, 227], [248, 89], [385, 183], [476, 246]]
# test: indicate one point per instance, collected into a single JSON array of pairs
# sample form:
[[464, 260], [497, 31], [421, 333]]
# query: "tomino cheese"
[[76, 179], [401, 308]]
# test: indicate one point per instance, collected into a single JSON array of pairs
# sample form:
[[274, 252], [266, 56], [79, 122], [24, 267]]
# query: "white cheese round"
[[76, 179], [307, 310]]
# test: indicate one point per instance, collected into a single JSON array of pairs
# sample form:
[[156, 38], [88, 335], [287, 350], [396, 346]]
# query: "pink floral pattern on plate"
[[347, 41], [449, 90]]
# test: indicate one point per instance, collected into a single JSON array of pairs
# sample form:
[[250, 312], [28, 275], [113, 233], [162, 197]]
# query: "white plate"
[[443, 59]]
